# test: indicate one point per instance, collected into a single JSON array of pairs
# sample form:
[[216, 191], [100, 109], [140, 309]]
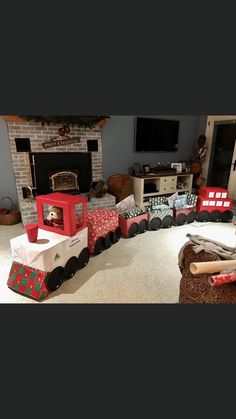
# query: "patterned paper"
[[161, 212], [28, 281], [134, 213], [158, 200], [222, 279], [100, 223]]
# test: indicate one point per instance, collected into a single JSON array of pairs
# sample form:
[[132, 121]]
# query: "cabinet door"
[[168, 184]]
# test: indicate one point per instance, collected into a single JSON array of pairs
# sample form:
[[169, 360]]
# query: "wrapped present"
[[157, 201], [172, 198], [28, 281], [134, 213], [161, 212], [180, 201], [127, 204], [191, 200], [100, 223]]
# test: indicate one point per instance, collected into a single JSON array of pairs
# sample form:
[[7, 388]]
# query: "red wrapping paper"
[[28, 281], [100, 223], [223, 279]]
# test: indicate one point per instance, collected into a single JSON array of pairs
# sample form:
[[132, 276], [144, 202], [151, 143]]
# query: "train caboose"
[[213, 204]]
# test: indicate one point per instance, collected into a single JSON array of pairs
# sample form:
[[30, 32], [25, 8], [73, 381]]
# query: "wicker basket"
[[11, 216]]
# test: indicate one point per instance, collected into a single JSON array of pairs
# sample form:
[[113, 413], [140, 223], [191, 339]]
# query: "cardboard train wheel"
[[180, 219], [155, 224], [226, 216], [203, 216], [143, 226], [71, 267], [83, 258], [215, 216], [55, 279], [167, 221], [133, 230], [99, 246], [108, 240], [191, 217], [116, 235]]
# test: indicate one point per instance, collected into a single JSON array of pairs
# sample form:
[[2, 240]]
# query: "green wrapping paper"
[[158, 200], [134, 213]]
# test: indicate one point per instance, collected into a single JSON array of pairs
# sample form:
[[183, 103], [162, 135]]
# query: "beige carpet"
[[139, 270]]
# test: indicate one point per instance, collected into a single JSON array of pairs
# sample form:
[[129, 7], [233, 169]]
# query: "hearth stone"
[[29, 214]]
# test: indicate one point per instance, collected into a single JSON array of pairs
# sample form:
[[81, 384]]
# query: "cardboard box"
[[50, 250]]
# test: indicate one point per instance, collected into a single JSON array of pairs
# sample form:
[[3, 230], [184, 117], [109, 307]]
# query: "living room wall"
[[117, 148], [7, 179], [118, 143]]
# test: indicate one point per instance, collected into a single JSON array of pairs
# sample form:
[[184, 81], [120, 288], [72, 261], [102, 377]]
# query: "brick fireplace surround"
[[38, 134]]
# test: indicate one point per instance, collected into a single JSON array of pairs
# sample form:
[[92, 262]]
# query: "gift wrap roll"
[[222, 279], [198, 268]]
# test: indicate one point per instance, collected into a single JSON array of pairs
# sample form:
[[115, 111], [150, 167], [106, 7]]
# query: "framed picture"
[[137, 169], [177, 166], [146, 169]]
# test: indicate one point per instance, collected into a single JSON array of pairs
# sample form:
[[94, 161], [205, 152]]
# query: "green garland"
[[80, 121]]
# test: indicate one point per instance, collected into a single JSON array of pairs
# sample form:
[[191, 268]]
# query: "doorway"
[[222, 154], [213, 133]]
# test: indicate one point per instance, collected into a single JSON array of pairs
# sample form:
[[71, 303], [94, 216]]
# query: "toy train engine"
[[67, 235], [160, 215], [60, 250], [213, 204]]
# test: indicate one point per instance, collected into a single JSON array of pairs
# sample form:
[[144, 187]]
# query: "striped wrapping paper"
[[160, 212]]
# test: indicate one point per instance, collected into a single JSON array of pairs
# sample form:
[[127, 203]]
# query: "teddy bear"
[[55, 217]]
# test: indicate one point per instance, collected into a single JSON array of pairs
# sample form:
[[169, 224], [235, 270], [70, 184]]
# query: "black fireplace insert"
[[44, 164]]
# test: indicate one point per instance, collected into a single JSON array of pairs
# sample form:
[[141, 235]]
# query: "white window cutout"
[[218, 195], [226, 204], [211, 194], [212, 203], [205, 203], [224, 195], [219, 203]]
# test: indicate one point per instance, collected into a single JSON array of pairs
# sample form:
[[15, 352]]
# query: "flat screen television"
[[155, 135]]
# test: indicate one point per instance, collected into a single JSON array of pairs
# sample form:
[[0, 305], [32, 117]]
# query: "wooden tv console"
[[165, 183]]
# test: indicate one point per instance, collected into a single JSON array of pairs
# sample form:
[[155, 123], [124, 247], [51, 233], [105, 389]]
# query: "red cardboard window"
[[61, 213]]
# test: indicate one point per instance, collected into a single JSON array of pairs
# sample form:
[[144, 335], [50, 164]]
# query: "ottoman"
[[195, 289]]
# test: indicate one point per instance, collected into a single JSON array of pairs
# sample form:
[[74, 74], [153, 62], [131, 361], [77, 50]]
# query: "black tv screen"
[[156, 135]]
